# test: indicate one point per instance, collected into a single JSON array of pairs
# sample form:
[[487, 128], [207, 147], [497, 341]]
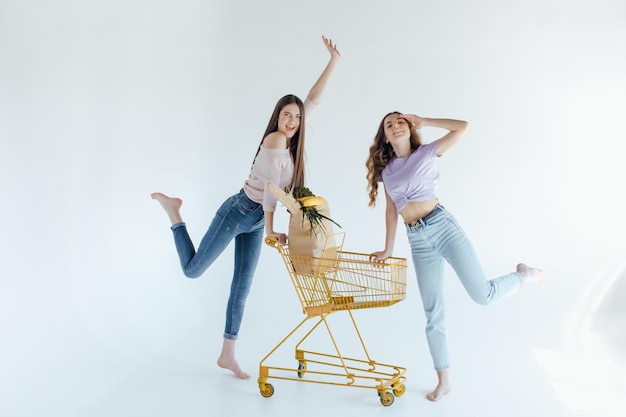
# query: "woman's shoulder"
[[425, 148], [275, 140]]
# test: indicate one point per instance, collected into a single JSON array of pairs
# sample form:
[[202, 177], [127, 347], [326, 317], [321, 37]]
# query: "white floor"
[[531, 355]]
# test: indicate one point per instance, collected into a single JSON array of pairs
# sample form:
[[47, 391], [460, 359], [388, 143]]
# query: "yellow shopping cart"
[[339, 281]]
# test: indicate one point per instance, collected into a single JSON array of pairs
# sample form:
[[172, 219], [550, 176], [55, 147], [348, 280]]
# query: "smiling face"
[[289, 120], [396, 128]]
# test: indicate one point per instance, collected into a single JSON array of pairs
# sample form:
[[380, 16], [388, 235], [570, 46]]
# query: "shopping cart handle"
[[272, 241]]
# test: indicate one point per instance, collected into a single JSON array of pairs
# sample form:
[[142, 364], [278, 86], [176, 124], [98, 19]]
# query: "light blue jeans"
[[437, 238], [238, 218]]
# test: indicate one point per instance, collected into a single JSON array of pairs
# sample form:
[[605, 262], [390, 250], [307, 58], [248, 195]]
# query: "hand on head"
[[414, 120]]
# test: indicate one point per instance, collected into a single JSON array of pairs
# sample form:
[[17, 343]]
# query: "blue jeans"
[[437, 238], [238, 218]]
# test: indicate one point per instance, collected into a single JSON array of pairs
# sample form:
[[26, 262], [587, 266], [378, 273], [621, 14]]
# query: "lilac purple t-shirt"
[[412, 178]]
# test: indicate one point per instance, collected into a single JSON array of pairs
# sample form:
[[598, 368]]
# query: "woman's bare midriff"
[[415, 210]]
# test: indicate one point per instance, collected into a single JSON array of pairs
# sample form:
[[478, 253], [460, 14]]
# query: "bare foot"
[[442, 388], [529, 274], [232, 365], [438, 393], [227, 359], [171, 205]]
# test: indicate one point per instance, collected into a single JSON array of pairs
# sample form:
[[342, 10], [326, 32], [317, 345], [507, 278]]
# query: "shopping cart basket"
[[339, 281]]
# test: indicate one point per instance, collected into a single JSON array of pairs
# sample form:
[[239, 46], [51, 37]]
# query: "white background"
[[104, 102]]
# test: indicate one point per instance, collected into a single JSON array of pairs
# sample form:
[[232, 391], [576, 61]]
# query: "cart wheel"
[[301, 369], [386, 398], [267, 390], [399, 389]]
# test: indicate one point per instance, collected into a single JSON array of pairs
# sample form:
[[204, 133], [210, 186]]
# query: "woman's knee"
[[192, 273], [482, 298]]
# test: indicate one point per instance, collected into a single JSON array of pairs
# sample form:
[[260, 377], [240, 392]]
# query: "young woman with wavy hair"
[[408, 170]]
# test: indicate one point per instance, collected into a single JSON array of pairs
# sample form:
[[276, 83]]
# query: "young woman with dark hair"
[[249, 214]]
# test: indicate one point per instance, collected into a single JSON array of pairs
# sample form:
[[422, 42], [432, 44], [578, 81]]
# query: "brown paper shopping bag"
[[305, 239]]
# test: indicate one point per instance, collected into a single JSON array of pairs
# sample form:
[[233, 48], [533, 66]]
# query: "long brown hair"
[[381, 152], [296, 145]]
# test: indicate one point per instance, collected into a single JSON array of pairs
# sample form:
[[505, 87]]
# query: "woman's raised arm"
[[316, 92]]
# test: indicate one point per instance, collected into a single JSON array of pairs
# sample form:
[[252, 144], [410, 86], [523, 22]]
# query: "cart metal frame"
[[339, 281]]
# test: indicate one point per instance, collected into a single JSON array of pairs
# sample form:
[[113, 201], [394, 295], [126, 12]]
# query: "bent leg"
[[227, 223], [460, 254], [216, 239]]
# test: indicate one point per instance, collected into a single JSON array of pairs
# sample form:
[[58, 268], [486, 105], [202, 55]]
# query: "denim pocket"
[[438, 218], [455, 224], [245, 204]]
